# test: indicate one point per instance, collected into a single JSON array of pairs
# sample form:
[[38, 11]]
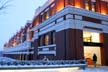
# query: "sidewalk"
[[88, 69], [95, 69]]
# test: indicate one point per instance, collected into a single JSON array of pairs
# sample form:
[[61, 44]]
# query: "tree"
[[4, 4]]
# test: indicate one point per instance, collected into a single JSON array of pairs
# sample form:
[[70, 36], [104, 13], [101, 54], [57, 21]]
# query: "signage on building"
[[92, 44]]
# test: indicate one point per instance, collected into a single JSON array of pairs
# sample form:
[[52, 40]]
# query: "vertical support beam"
[[60, 45], [74, 44], [98, 9], [35, 46], [70, 44], [104, 49], [79, 44]]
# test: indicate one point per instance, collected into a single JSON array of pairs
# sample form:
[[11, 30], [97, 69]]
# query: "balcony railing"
[[23, 46], [49, 49]]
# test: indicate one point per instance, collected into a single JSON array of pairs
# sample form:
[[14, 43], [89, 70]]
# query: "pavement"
[[95, 69], [88, 69]]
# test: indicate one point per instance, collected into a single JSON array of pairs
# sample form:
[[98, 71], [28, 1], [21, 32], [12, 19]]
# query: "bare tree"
[[4, 4]]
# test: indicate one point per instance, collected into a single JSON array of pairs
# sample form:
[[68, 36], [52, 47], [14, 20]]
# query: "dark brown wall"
[[104, 49], [60, 45], [35, 44], [69, 44]]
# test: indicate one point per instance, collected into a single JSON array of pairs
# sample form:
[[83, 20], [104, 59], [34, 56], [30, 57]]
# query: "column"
[[104, 49]]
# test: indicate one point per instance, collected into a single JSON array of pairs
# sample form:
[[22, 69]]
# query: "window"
[[87, 5], [46, 39], [91, 37], [93, 6], [47, 15], [52, 9], [23, 37], [41, 41], [31, 35], [48, 12], [42, 17]]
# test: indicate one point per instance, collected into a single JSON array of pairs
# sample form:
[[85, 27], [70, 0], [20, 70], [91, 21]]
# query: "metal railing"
[[44, 64]]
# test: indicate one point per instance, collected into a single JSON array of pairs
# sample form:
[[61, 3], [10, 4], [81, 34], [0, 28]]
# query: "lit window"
[[52, 9], [91, 37], [42, 17], [46, 15], [46, 39], [31, 35], [93, 6], [14, 43], [87, 4], [87, 37], [41, 40]]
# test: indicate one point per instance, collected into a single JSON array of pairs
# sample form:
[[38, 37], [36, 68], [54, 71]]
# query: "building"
[[64, 30]]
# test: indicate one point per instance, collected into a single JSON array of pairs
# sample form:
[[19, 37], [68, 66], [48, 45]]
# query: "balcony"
[[23, 46]]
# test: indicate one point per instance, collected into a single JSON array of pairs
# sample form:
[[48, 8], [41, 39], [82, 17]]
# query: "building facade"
[[64, 30]]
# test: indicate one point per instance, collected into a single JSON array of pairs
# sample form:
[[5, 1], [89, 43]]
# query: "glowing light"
[[91, 37], [70, 69], [14, 44], [78, 5], [103, 13]]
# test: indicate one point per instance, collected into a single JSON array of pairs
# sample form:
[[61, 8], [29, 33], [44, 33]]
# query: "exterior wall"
[[104, 49], [69, 44]]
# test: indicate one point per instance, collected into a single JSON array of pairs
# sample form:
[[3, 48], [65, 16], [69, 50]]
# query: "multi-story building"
[[64, 30]]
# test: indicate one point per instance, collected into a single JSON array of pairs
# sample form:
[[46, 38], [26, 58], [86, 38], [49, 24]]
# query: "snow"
[[48, 68], [70, 69], [6, 59]]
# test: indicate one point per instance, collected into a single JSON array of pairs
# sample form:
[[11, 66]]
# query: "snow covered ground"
[[89, 69], [97, 69], [6, 59], [70, 69]]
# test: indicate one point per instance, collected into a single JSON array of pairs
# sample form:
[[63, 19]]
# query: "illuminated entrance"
[[92, 45]]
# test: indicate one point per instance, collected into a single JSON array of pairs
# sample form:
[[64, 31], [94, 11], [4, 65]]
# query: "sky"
[[15, 17]]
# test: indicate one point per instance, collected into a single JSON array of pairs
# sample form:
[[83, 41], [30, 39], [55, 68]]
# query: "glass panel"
[[41, 41], [46, 39], [91, 37], [87, 4], [93, 6], [52, 9]]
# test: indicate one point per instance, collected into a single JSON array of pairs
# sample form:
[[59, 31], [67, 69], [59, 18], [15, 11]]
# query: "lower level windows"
[[47, 39]]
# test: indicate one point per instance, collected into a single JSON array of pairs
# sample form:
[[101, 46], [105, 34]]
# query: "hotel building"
[[64, 30]]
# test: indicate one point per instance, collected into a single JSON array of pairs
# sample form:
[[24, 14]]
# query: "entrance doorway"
[[88, 54]]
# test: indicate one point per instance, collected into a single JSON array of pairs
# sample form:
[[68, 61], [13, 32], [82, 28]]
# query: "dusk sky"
[[15, 17]]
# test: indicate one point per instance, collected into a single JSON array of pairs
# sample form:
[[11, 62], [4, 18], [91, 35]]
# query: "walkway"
[[90, 69]]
